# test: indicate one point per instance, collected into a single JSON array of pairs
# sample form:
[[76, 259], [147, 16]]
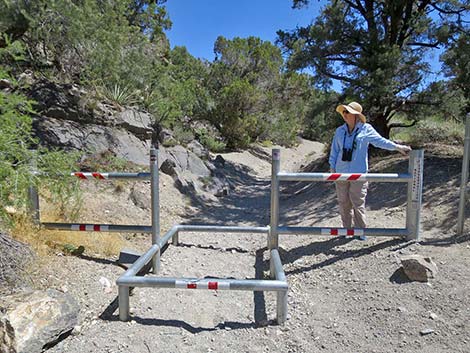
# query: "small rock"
[[402, 309], [433, 316], [76, 330], [426, 331], [105, 282]]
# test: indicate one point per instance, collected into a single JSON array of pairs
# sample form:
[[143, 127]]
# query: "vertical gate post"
[[463, 184], [273, 241], [33, 194], [154, 184], [124, 312], [281, 307], [175, 239], [415, 193]]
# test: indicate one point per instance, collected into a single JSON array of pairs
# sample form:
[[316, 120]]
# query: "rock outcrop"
[[68, 119]]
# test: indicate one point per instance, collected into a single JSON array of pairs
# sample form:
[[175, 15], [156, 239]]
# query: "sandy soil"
[[345, 295]]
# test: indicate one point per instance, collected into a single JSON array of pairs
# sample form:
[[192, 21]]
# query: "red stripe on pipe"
[[212, 285], [334, 232], [191, 286], [350, 232], [96, 228], [334, 176], [354, 176], [82, 227], [80, 175], [97, 176]]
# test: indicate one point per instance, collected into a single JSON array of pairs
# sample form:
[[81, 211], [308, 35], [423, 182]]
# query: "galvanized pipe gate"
[[278, 282], [414, 178]]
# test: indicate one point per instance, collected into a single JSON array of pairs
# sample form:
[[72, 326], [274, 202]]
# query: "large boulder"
[[137, 122], [32, 321], [418, 268]]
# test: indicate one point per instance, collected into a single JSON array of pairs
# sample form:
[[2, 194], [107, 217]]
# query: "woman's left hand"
[[403, 149]]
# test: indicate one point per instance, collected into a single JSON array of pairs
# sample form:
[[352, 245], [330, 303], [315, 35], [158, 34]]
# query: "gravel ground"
[[344, 295]]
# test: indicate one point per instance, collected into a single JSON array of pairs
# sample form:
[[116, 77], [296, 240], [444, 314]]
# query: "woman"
[[349, 155]]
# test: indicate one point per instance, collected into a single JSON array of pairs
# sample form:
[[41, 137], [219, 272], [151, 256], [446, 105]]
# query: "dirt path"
[[345, 295]]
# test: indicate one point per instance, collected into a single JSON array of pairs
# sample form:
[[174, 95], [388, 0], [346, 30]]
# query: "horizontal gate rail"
[[384, 232], [98, 227], [385, 177], [205, 283], [101, 176]]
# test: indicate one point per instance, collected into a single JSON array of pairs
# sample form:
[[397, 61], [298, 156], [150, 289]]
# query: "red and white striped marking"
[[342, 231], [91, 175], [343, 176], [89, 227], [202, 285]]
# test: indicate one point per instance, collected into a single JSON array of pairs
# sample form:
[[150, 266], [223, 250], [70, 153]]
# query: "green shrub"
[[16, 156], [434, 131], [118, 94], [210, 142]]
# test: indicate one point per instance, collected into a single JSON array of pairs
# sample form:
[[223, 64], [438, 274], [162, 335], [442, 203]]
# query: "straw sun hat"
[[353, 108]]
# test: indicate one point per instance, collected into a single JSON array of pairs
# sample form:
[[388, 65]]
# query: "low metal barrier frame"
[[414, 178], [278, 283]]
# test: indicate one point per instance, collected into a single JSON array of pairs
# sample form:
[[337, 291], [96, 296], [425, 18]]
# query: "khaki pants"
[[352, 202]]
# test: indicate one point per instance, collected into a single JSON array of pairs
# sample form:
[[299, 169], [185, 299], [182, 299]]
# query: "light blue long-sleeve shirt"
[[365, 135]]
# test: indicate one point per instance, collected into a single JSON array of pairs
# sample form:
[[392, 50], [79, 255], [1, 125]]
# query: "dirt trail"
[[345, 295]]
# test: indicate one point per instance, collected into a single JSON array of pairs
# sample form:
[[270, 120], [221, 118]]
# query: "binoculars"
[[347, 154]]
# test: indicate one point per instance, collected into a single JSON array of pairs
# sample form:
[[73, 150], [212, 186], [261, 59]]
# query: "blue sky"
[[198, 23]]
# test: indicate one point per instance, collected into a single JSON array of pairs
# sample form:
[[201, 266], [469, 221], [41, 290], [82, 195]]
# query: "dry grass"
[[45, 241]]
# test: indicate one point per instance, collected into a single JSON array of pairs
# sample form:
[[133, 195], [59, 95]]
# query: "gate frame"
[[414, 178], [277, 283]]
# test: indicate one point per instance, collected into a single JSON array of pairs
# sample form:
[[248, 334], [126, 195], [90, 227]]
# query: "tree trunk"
[[380, 124]]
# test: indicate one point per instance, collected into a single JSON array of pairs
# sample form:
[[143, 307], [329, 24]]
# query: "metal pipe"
[[124, 312], [281, 307], [103, 176], [155, 209], [176, 238], [33, 194], [147, 256], [415, 191], [463, 183], [220, 229], [273, 242], [166, 238], [384, 232], [281, 297], [139, 264], [195, 283], [86, 227], [378, 177], [277, 264]]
